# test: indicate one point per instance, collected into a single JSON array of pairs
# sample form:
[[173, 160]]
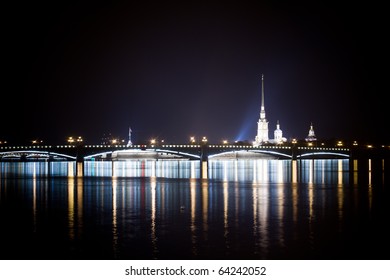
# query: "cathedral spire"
[[262, 111], [262, 124], [129, 144]]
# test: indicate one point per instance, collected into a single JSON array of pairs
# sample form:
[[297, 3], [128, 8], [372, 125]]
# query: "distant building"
[[311, 136], [262, 126], [129, 143], [278, 135]]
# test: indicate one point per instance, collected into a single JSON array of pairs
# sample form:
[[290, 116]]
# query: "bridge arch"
[[32, 154], [250, 154], [179, 153], [321, 154], [139, 153]]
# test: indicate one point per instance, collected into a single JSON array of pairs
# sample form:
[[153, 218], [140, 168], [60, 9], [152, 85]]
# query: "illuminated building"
[[262, 124], [129, 143], [311, 136], [278, 135]]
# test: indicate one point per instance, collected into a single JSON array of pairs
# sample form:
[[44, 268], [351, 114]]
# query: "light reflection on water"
[[263, 209]]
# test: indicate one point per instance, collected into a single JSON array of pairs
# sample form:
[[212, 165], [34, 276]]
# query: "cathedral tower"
[[262, 124], [129, 143], [311, 136]]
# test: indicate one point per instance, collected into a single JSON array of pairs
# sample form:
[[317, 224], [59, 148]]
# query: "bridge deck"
[[203, 152]]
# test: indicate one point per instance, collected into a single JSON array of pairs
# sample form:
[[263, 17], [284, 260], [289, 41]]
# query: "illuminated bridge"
[[192, 152]]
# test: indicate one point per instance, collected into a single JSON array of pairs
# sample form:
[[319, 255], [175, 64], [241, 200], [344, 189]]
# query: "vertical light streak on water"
[[71, 170], [225, 212], [281, 198], [34, 181], [162, 200], [323, 171], [256, 215], [265, 176], [193, 170], [294, 195], [294, 171], [339, 171], [369, 172], [279, 174], [260, 171], [205, 207], [369, 185], [34, 171], [115, 169], [236, 170], [311, 171], [80, 169], [101, 171], [124, 192], [153, 169], [193, 216], [225, 170], [311, 203], [114, 216], [204, 170], [153, 195], [71, 210], [254, 169], [161, 170], [263, 201], [340, 193], [237, 204], [79, 193], [355, 171], [355, 165], [383, 171]]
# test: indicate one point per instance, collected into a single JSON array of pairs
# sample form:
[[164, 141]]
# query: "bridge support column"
[[79, 158], [293, 152]]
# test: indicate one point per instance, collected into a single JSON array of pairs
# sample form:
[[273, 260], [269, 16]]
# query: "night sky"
[[170, 71]]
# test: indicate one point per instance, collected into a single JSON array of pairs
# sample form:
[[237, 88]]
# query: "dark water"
[[238, 209]]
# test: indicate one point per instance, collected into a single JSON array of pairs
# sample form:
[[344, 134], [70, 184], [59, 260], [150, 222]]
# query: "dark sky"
[[172, 70]]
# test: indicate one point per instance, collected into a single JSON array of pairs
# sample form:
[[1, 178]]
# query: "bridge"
[[202, 152]]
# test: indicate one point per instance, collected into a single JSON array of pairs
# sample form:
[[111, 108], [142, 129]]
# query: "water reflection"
[[193, 224], [170, 209], [260, 220], [75, 198], [256, 171]]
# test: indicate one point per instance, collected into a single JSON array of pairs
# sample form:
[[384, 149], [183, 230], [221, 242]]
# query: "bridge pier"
[[293, 152]]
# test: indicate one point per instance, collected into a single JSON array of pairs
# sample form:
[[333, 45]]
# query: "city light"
[[72, 140], [36, 141]]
